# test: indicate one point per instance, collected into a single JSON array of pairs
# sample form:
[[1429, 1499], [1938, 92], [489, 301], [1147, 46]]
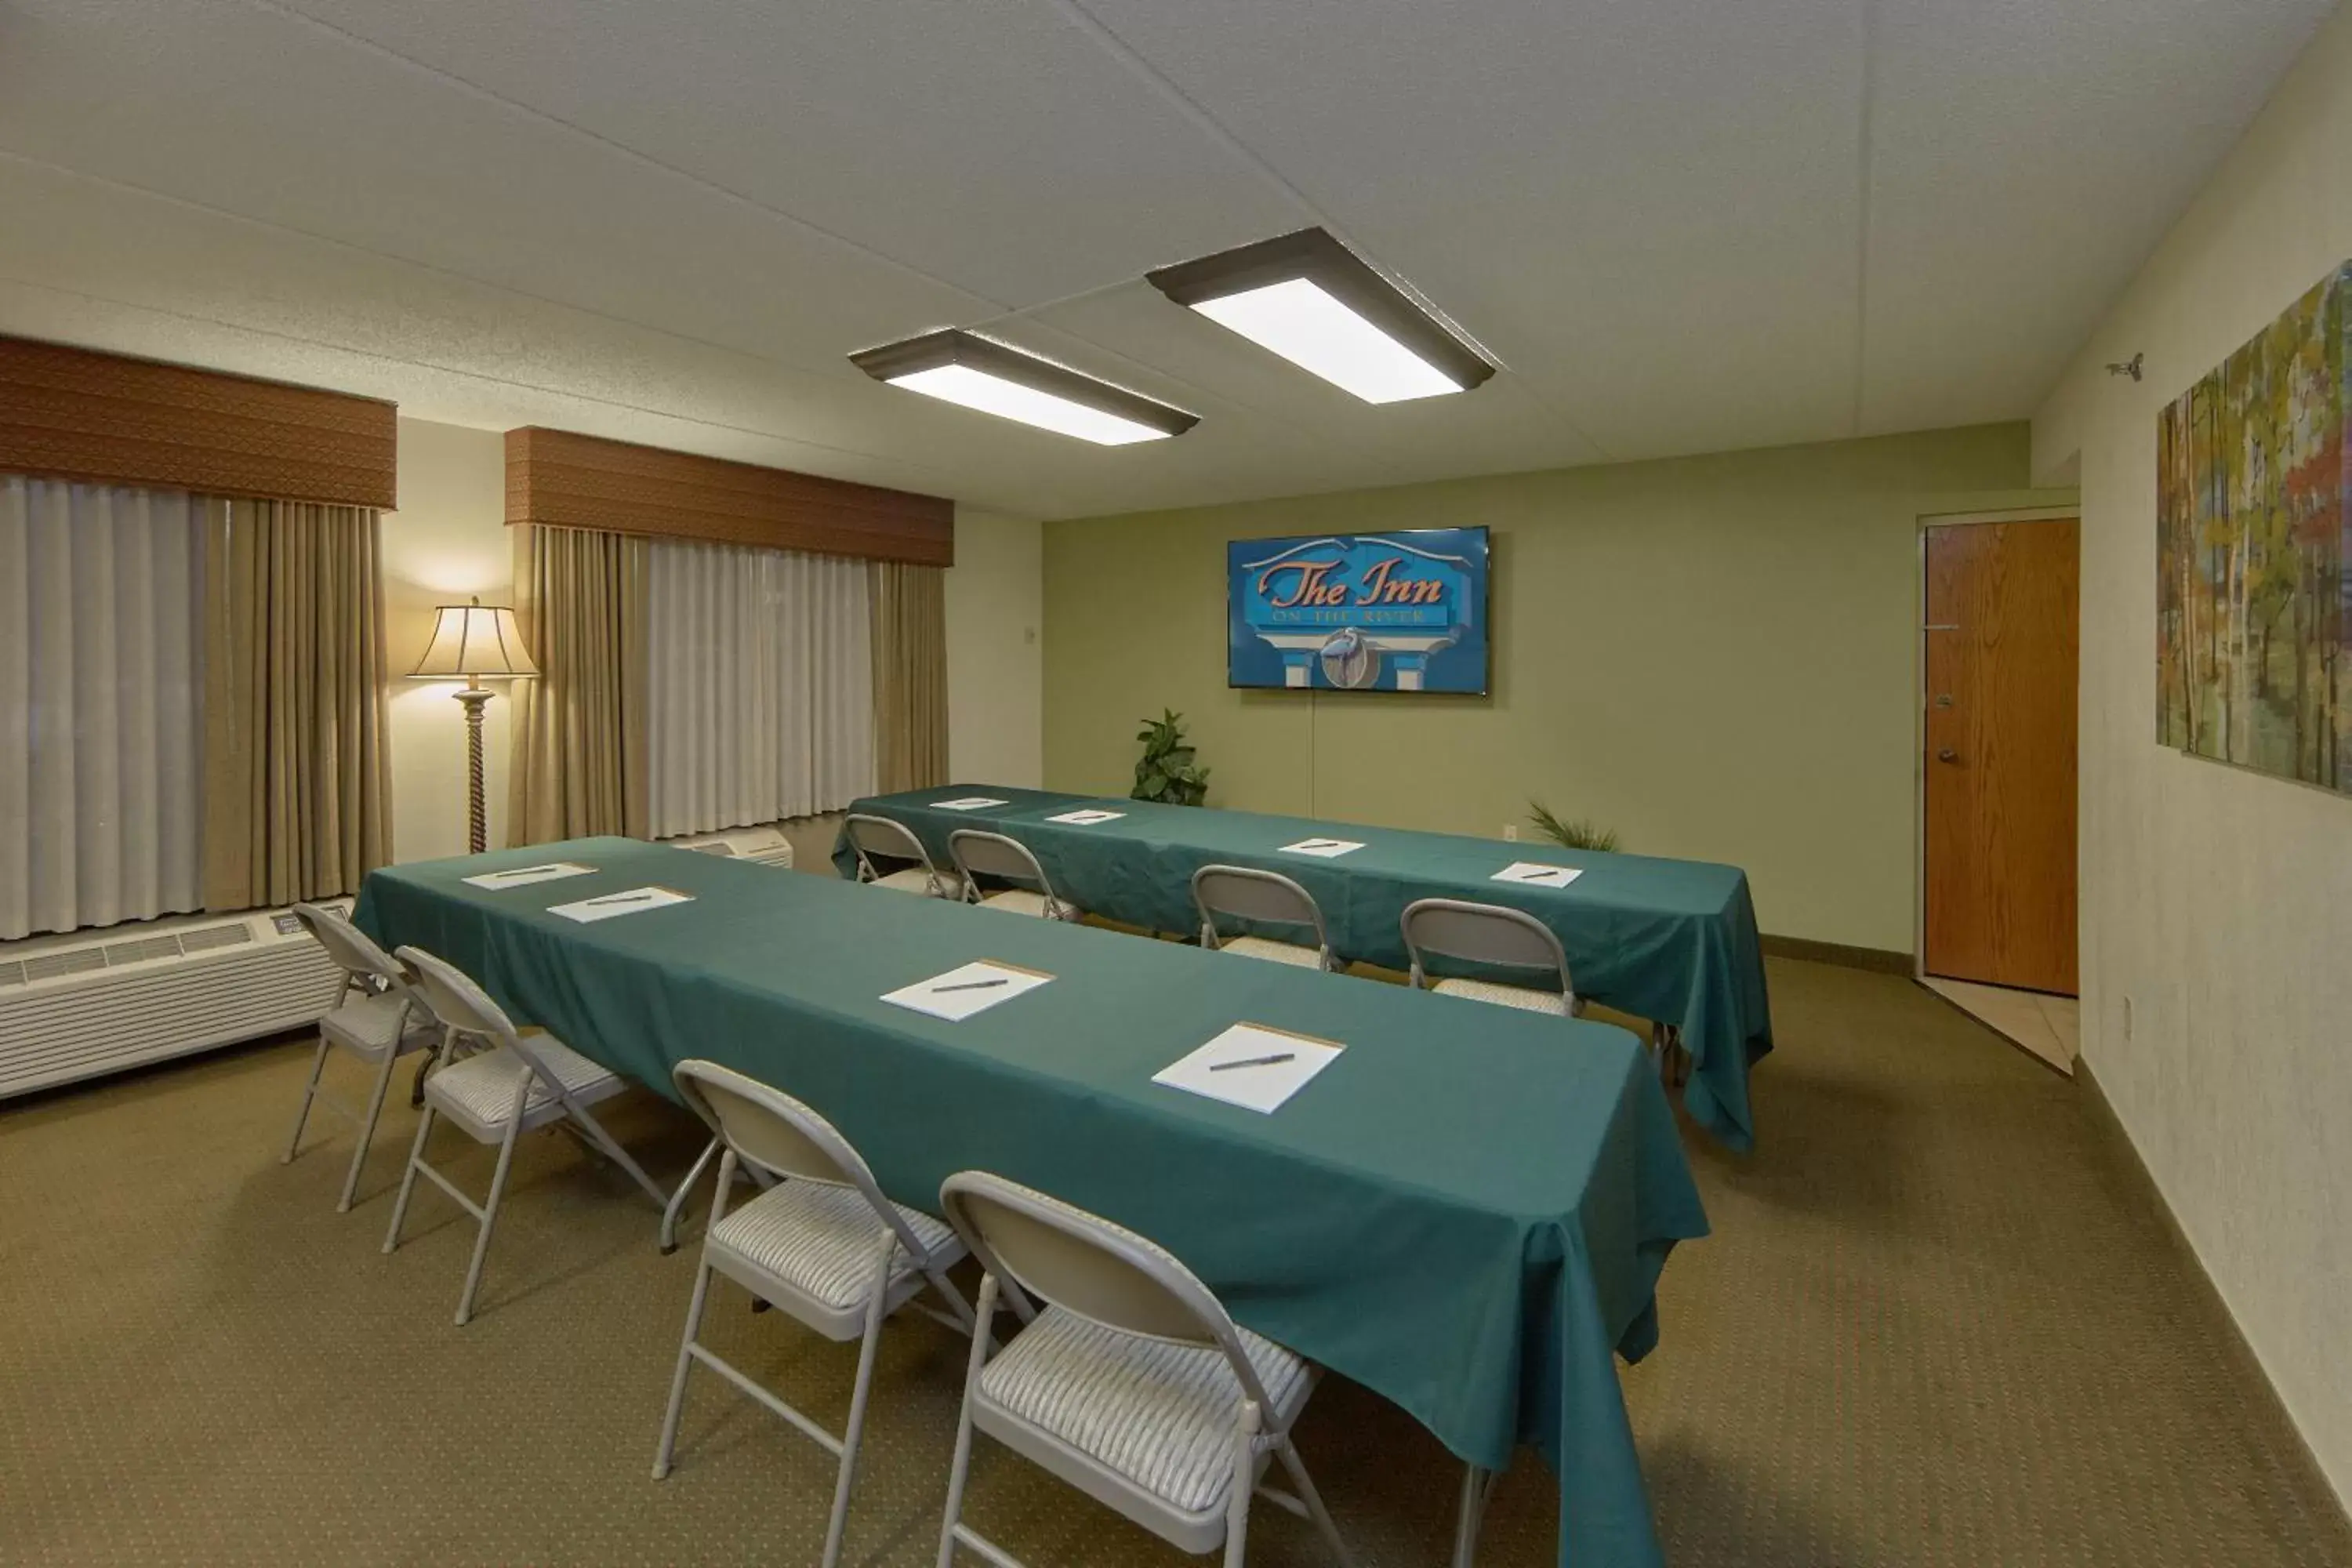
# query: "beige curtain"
[[910, 676], [579, 765], [298, 780]]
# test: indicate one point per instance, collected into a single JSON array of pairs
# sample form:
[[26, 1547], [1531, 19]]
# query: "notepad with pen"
[[971, 988], [610, 906], [1255, 1065], [524, 876]]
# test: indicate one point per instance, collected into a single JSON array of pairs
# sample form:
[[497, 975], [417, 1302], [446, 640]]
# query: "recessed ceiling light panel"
[[1319, 305], [975, 372]]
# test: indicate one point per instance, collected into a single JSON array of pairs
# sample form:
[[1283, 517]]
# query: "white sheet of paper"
[[630, 901], [1531, 874], [1323, 848], [1261, 1086], [1087, 817], [524, 876], [966, 803], [974, 988]]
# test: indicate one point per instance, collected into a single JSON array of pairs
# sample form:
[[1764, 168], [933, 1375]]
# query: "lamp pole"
[[477, 822]]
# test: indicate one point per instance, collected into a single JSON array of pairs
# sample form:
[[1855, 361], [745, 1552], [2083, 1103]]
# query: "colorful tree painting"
[[2254, 599]]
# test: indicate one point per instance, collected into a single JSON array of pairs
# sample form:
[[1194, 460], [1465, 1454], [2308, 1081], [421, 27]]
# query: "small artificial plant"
[[1578, 835], [1165, 772]]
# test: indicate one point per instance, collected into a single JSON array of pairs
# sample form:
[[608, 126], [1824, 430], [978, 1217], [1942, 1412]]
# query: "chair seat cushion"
[[1022, 901], [370, 1025], [821, 1239], [1163, 1415], [483, 1087], [1524, 996], [1275, 951], [915, 879]]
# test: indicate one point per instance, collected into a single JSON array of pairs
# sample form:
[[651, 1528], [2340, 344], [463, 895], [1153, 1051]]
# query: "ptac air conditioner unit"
[[94, 1001], [765, 844]]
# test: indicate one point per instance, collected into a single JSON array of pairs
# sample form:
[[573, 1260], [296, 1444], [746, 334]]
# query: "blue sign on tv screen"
[[1360, 612]]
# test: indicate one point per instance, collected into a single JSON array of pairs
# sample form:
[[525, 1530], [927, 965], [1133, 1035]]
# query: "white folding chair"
[[1265, 896], [822, 1244], [1133, 1384], [1490, 933], [376, 1017], [977, 854], [871, 836], [518, 1084]]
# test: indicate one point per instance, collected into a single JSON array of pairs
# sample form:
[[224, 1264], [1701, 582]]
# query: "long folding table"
[[1670, 940], [1467, 1211]]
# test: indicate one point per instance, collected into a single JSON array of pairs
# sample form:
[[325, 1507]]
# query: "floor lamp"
[[471, 641]]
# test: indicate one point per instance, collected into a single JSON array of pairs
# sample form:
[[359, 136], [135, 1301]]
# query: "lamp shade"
[[473, 640]]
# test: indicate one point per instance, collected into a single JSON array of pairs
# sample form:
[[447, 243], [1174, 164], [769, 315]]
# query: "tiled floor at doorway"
[[2049, 1026]]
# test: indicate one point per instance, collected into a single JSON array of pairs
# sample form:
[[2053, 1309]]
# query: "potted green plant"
[[1165, 772], [1582, 834]]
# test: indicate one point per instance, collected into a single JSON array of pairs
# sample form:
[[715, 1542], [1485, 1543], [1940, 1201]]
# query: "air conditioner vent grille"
[[210, 938], [142, 950], [72, 960]]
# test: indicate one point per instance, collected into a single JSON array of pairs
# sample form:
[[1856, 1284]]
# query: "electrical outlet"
[[1510, 833]]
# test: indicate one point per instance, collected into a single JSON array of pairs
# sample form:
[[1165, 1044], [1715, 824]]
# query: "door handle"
[[1948, 756]]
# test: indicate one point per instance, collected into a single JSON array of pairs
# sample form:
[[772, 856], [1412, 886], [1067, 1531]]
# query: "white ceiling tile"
[[250, 111], [2026, 157], [671, 221], [1649, 211], [989, 142]]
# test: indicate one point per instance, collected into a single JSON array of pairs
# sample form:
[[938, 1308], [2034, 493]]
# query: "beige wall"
[[1713, 655], [447, 541], [2217, 904], [995, 607]]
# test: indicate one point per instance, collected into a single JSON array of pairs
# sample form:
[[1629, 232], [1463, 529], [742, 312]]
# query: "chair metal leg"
[[961, 1468], [1304, 1486], [408, 1180], [603, 1140], [1239, 1490], [310, 1092], [685, 1363], [489, 1216], [677, 1204], [367, 1132], [855, 1430], [416, 1084], [1478, 1486]]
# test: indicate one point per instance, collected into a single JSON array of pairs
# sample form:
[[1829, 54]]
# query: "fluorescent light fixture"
[[976, 373], [1319, 305]]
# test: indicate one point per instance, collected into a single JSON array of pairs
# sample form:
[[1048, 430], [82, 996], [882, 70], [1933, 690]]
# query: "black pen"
[[618, 899], [968, 986], [1256, 1062]]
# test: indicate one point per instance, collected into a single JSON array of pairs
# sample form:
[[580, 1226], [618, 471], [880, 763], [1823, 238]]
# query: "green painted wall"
[[1713, 655]]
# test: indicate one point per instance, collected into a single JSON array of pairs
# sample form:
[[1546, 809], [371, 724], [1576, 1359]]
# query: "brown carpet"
[[1940, 1321]]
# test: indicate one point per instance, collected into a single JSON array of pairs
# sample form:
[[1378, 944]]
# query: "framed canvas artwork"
[[2253, 539]]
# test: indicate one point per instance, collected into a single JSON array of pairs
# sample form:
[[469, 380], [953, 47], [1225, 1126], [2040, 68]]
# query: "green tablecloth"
[[1467, 1212], [1673, 941]]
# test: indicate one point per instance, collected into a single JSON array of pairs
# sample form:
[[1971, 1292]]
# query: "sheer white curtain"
[[760, 696], [101, 679]]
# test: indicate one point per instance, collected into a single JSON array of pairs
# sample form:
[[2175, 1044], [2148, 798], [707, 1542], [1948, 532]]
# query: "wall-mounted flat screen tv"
[[1358, 612]]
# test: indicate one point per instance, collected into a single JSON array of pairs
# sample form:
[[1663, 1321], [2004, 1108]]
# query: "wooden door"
[[2001, 665]]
